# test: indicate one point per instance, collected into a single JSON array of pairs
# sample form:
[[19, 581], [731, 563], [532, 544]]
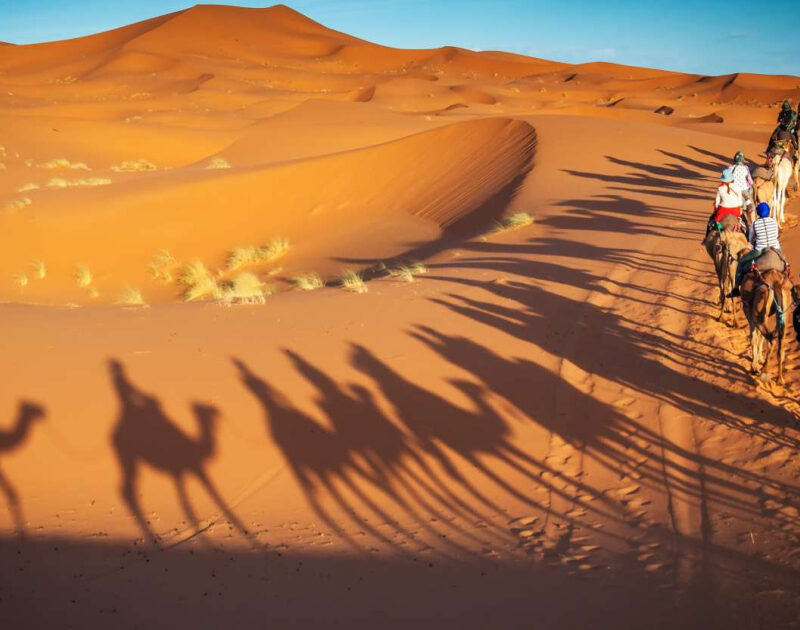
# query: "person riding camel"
[[764, 235], [784, 137], [742, 177], [787, 118], [730, 201]]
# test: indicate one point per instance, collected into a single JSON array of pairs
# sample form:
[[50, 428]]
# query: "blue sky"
[[707, 37]]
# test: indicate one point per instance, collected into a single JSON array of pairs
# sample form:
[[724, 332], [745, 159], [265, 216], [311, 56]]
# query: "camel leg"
[[128, 491], [13, 504], [755, 345], [188, 510], [226, 511]]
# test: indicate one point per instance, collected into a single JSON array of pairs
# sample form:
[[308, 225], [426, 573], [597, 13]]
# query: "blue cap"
[[762, 209], [727, 176]]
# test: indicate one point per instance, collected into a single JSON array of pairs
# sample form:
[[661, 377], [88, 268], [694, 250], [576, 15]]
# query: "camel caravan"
[[743, 240]]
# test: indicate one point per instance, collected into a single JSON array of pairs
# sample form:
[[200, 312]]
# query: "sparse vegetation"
[[133, 166], [38, 268], [17, 204], [162, 266], [406, 272], [83, 276], [60, 182], [20, 279], [64, 163], [250, 255], [217, 163], [131, 296], [308, 281], [246, 288], [517, 220], [352, 281], [197, 282], [93, 293], [28, 186]]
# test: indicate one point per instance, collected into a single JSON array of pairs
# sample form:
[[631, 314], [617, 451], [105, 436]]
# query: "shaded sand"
[[548, 428]]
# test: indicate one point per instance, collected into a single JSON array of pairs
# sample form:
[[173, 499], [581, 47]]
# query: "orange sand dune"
[[520, 419]]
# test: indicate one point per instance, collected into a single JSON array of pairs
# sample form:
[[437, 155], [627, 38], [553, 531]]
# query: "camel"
[[782, 170], [765, 302], [145, 435], [27, 415], [724, 247]]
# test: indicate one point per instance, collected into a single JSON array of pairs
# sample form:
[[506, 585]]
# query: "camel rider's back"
[[764, 233]]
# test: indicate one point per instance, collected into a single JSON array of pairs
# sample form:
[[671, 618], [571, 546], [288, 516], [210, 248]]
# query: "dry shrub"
[[17, 204], [240, 257], [60, 182], [64, 163], [131, 296], [217, 163], [406, 271], [517, 220], [134, 166], [197, 282], [308, 281], [38, 268], [83, 276], [352, 281], [162, 266], [245, 288]]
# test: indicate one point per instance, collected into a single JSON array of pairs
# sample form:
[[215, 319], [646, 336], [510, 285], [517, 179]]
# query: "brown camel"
[[724, 246], [765, 303], [145, 435], [27, 414]]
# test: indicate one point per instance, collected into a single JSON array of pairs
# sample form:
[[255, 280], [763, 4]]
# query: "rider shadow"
[[389, 455], [320, 459], [28, 414], [145, 436]]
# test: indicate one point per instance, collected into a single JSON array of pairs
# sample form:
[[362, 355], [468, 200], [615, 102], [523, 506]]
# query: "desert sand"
[[548, 429]]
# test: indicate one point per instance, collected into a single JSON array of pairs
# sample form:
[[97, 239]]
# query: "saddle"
[[771, 259], [761, 172]]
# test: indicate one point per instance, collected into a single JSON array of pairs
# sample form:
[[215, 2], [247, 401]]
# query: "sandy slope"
[[549, 429]]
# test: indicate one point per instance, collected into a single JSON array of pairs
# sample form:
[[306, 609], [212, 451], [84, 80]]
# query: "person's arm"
[[718, 200], [751, 232]]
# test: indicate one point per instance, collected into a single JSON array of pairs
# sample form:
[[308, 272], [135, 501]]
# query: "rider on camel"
[[785, 134], [741, 176], [762, 235], [730, 200]]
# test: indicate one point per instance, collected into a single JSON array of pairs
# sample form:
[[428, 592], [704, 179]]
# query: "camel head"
[[30, 412], [207, 415]]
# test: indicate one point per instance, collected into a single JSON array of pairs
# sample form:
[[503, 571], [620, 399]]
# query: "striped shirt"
[[741, 177], [764, 233]]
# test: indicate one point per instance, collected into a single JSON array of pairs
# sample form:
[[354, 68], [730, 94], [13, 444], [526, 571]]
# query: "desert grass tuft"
[[17, 204], [308, 281], [93, 293], [352, 281], [83, 276], [60, 182], [246, 288], [20, 279], [217, 163], [240, 257], [197, 282], [162, 266], [28, 186], [38, 268], [134, 166], [517, 220], [406, 272], [131, 296], [65, 163]]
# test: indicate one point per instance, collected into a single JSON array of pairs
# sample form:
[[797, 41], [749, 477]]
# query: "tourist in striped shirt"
[[764, 232]]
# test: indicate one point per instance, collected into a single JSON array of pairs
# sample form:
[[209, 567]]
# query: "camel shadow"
[[145, 436], [28, 414]]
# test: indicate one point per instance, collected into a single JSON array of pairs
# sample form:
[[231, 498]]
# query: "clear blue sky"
[[702, 36]]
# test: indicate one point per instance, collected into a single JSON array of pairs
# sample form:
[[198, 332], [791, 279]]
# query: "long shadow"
[[28, 414], [144, 435]]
